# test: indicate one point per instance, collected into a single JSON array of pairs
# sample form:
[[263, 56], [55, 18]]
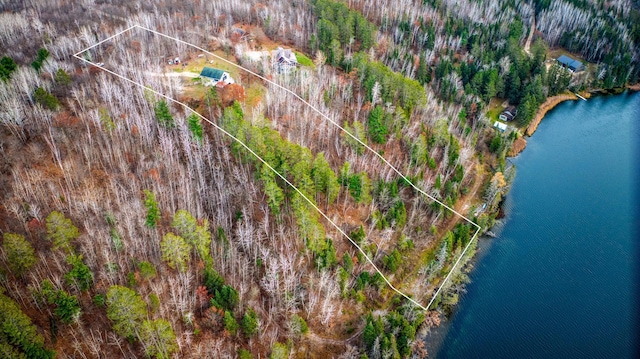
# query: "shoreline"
[[433, 336], [547, 106], [554, 101], [634, 88], [439, 334]]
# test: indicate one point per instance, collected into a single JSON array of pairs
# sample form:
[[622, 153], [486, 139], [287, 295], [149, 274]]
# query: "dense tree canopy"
[[7, 66], [163, 114], [19, 338], [175, 251], [20, 254], [158, 338], [60, 230], [338, 26], [126, 310], [197, 236], [153, 213]]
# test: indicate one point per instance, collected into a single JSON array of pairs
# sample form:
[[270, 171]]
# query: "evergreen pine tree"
[[153, 213], [20, 254]]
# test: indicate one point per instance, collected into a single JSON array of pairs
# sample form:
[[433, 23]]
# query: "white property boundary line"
[[77, 55]]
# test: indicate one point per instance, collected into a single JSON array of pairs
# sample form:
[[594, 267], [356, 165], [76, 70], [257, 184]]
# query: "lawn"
[[494, 113], [304, 60], [254, 94], [196, 64], [494, 109], [196, 91]]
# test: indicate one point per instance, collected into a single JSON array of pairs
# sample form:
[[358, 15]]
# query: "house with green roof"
[[215, 77]]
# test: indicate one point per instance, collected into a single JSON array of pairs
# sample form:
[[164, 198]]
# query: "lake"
[[560, 280]]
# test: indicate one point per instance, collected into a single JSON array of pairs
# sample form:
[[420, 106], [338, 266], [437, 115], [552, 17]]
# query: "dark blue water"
[[560, 281]]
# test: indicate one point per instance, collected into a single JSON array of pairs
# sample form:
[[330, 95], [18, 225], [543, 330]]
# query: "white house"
[[283, 60], [215, 77]]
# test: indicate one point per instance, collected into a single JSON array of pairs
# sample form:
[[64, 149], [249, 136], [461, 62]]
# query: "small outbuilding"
[[572, 65], [215, 77], [500, 126], [508, 114]]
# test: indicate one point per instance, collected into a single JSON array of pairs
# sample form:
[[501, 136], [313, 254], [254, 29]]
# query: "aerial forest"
[[146, 214]]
